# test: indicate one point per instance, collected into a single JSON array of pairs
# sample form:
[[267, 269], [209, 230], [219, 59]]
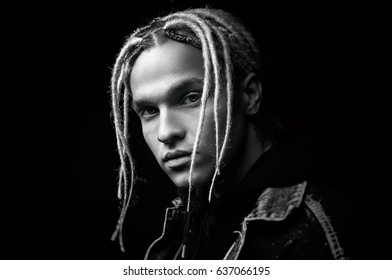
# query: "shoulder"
[[296, 222], [342, 211]]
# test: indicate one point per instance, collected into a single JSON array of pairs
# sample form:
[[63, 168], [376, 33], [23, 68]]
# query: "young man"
[[193, 78]]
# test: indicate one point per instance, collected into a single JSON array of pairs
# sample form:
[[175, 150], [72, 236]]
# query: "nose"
[[170, 128]]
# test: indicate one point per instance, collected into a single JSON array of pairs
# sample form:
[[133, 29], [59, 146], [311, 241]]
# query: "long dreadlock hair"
[[229, 53]]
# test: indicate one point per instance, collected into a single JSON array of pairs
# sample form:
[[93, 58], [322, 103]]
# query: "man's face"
[[167, 84]]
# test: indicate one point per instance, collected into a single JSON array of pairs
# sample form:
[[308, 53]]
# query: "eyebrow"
[[182, 85]]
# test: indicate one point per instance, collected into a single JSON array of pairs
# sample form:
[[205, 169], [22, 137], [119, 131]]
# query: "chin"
[[200, 178], [181, 180]]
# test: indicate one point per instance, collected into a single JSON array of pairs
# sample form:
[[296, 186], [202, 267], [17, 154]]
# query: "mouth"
[[177, 159]]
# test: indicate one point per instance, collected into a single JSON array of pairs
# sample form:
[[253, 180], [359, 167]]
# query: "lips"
[[177, 159]]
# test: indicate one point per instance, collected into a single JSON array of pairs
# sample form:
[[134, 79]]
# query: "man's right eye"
[[148, 111]]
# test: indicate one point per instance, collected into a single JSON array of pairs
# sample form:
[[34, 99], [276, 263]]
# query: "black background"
[[58, 188]]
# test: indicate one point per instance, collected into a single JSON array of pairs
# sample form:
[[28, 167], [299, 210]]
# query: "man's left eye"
[[192, 98]]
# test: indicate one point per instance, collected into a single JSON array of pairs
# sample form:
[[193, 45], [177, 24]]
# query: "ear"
[[252, 90]]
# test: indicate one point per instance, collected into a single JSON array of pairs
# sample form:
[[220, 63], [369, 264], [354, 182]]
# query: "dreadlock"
[[229, 52]]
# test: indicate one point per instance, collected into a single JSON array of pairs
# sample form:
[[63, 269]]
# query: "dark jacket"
[[280, 210]]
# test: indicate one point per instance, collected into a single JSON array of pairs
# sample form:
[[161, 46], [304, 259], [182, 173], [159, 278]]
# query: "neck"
[[251, 150]]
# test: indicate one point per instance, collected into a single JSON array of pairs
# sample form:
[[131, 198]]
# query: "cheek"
[[151, 139], [209, 126], [208, 139], [236, 136]]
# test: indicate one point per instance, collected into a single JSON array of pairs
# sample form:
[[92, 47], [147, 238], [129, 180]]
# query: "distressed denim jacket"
[[274, 207]]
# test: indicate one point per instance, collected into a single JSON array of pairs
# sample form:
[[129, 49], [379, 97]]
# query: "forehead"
[[162, 66]]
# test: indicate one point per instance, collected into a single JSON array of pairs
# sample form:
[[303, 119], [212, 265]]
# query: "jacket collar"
[[275, 204]]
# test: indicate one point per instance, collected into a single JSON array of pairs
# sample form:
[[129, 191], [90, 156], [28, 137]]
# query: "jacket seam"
[[317, 209], [162, 235], [238, 243]]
